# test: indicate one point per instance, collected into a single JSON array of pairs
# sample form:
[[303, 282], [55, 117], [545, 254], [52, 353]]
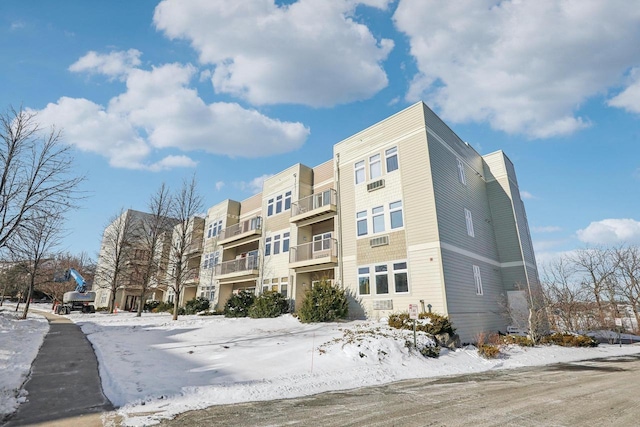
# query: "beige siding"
[[323, 172], [248, 206]]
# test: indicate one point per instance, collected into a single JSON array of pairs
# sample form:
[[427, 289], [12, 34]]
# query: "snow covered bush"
[[569, 340], [196, 305], [269, 304], [430, 323], [238, 305], [488, 351], [324, 303]]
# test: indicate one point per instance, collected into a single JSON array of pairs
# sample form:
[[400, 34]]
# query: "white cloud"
[[523, 66], [219, 185], [160, 111], [611, 231], [526, 195], [255, 185], [629, 98], [114, 64], [311, 52], [17, 25], [547, 229]]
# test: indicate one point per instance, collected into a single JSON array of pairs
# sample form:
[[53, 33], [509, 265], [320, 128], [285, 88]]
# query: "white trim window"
[[359, 172], [382, 279], [276, 244], [361, 223], [210, 260], [377, 219], [461, 174], [395, 214], [267, 246], [477, 279], [469, 220], [364, 286], [278, 203], [322, 242], [214, 229], [375, 166], [270, 207], [400, 277], [391, 157], [287, 200], [285, 242]]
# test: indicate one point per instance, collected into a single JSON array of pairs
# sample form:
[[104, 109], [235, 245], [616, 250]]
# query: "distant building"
[[130, 226]]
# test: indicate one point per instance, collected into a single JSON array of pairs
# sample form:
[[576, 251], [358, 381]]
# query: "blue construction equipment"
[[79, 299]]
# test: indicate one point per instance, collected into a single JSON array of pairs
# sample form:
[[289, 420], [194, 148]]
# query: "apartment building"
[[125, 248], [404, 213]]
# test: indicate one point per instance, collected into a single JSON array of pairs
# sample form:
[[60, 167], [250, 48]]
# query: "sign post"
[[413, 314]]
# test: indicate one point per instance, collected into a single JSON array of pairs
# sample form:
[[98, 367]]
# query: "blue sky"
[[154, 91]]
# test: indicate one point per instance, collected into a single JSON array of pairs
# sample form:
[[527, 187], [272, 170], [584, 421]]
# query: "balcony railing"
[[316, 252], [241, 229], [246, 264], [318, 202]]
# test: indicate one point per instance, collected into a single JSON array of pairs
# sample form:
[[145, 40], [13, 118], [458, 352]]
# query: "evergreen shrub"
[[238, 305], [324, 302], [269, 304]]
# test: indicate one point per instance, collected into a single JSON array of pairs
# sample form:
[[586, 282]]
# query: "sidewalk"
[[64, 387]]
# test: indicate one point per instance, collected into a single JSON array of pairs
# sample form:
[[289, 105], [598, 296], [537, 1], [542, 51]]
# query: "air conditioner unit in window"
[[375, 185], [383, 304], [379, 241]]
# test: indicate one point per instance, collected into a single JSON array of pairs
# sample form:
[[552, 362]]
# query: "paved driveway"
[[602, 392]]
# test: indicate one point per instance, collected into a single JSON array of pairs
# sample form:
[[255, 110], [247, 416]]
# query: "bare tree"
[[187, 203], [14, 280], [628, 274], [31, 245], [564, 295], [37, 178], [115, 252], [597, 267], [155, 225]]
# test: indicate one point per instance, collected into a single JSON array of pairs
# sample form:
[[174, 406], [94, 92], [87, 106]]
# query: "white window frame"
[[377, 212], [389, 154], [267, 246], [461, 173], [276, 244], [381, 273], [477, 278], [375, 166], [210, 230], [287, 200], [270, 207], [398, 268], [285, 241], [359, 172], [364, 274], [362, 217], [469, 220], [324, 241], [393, 208]]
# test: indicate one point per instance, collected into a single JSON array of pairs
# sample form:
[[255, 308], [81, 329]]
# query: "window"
[[210, 230], [270, 207], [395, 213], [461, 175], [375, 167], [382, 280], [285, 242], [361, 220], [391, 156], [283, 289], [400, 277], [279, 204], [210, 260], [214, 229], [267, 246], [478, 279], [276, 244], [363, 281], [322, 242], [359, 167], [287, 200], [469, 219], [378, 219]]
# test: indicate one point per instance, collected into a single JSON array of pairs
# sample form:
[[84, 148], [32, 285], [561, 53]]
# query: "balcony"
[[241, 232], [319, 253], [316, 205], [239, 269]]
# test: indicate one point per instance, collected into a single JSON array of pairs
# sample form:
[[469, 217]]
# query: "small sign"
[[618, 321], [413, 311]]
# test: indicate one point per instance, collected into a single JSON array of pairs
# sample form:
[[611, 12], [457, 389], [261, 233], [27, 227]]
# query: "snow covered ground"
[[153, 367]]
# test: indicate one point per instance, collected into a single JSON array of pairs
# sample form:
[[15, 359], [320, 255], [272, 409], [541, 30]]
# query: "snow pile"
[[154, 368], [19, 344]]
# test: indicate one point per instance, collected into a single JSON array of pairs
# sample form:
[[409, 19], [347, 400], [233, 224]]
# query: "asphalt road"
[[604, 392]]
